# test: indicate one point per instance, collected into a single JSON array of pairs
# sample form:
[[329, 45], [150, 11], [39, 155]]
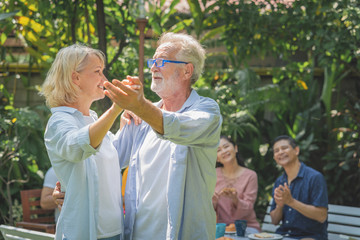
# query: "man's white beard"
[[157, 85], [164, 86]]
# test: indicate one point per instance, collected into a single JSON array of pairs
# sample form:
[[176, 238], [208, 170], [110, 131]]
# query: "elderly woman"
[[80, 146], [236, 187]]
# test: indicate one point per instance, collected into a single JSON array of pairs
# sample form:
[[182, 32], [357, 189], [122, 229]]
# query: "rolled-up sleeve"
[[195, 127], [65, 139]]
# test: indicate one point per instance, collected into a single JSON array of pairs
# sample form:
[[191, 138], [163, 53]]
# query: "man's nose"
[[154, 68], [281, 151]]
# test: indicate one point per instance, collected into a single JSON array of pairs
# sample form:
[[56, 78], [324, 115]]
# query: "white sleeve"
[[50, 179]]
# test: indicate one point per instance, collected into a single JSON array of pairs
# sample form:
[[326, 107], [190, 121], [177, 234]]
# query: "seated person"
[[46, 200], [300, 195], [236, 188]]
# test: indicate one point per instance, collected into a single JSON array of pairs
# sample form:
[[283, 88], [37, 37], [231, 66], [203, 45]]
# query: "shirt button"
[[289, 209], [289, 231], [287, 221]]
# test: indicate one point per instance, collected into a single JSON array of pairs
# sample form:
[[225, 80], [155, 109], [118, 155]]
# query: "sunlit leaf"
[[27, 22], [213, 32], [91, 28], [45, 57], [3, 38], [30, 36], [33, 7], [181, 25]]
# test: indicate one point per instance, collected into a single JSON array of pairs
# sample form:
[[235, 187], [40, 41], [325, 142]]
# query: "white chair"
[[12, 233]]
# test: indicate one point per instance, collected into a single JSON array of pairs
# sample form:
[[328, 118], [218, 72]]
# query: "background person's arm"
[[46, 199], [316, 213]]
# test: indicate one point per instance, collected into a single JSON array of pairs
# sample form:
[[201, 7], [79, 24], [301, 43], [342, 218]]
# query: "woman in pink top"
[[236, 187]]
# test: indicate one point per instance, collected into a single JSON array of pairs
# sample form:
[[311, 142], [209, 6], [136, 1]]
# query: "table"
[[235, 237]]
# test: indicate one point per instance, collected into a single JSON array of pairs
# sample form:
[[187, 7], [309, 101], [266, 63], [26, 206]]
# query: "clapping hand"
[[282, 195]]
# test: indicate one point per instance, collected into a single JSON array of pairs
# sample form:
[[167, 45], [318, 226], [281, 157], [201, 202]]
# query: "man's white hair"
[[190, 50]]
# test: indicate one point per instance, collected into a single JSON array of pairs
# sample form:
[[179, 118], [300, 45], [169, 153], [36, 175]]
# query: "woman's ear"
[[75, 77]]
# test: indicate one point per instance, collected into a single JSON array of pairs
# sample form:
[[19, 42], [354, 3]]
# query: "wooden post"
[[141, 22]]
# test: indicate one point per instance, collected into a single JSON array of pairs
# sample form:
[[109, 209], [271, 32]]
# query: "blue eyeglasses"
[[159, 62]]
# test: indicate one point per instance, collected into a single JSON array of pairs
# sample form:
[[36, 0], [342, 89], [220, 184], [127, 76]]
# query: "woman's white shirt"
[[110, 211]]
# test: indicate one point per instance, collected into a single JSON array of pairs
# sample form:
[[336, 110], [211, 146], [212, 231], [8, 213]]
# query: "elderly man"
[[300, 195], [172, 153]]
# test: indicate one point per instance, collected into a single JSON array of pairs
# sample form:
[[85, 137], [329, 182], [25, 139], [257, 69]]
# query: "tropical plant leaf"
[[8, 15]]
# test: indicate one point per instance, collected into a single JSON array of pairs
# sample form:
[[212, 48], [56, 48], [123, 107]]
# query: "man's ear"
[[189, 69], [297, 150]]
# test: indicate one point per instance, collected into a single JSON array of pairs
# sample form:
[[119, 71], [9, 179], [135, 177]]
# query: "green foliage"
[[343, 162], [22, 153], [298, 102], [300, 37]]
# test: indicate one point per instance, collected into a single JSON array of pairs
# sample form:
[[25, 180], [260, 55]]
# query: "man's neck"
[[174, 102], [292, 170]]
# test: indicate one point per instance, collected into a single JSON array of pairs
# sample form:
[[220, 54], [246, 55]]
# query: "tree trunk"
[[101, 26], [73, 22], [100, 14]]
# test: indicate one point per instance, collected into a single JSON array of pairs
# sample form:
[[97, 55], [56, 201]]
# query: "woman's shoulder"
[[249, 172]]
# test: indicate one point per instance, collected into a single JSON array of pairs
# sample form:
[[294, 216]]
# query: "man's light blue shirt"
[[194, 133]]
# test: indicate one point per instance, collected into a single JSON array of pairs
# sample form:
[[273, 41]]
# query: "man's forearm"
[[276, 215], [316, 213], [152, 115]]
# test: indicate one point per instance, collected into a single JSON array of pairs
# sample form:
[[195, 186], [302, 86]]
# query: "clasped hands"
[[282, 195], [126, 94], [226, 192]]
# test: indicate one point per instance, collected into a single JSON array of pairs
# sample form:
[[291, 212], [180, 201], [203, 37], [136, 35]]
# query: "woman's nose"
[[104, 78]]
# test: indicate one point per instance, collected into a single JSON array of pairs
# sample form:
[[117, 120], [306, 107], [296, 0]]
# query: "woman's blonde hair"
[[58, 87], [190, 50]]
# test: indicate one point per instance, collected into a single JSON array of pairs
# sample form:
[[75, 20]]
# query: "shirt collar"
[[63, 109], [188, 103], [71, 111], [301, 170], [300, 174]]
